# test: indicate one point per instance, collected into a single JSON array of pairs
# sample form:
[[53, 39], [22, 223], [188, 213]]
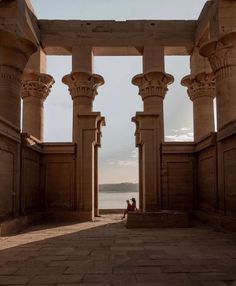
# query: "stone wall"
[[31, 187], [9, 163], [59, 176], [46, 176], [197, 177], [200, 177], [206, 175], [177, 176], [226, 170], [216, 180]]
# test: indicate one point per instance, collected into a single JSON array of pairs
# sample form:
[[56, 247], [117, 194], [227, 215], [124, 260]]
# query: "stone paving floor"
[[106, 253]]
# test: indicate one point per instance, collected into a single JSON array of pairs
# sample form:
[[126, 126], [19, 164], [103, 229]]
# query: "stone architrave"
[[222, 57], [149, 135], [86, 124], [34, 91], [201, 90], [14, 54]]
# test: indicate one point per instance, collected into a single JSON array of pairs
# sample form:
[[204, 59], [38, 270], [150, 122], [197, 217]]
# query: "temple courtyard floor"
[[104, 252]]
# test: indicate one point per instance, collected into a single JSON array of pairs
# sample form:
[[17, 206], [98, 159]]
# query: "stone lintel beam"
[[115, 34], [83, 89], [201, 90], [222, 56]]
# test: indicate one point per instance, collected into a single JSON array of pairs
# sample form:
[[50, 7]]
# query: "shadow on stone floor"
[[104, 252]]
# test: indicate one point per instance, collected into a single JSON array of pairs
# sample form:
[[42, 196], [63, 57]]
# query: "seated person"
[[130, 207]]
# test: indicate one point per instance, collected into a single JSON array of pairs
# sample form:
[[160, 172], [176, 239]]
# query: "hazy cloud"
[[127, 163], [134, 153], [182, 134]]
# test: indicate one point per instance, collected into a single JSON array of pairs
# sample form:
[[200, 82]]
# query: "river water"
[[116, 200]]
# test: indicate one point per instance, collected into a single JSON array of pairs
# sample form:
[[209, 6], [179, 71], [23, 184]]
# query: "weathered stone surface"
[[117, 38], [105, 252], [161, 219]]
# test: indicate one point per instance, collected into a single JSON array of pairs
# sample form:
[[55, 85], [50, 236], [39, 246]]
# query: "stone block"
[[161, 219], [18, 224]]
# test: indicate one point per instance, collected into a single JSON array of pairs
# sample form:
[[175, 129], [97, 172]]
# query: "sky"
[[118, 99]]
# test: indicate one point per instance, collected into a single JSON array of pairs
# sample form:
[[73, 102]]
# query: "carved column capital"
[[153, 84], [221, 54], [200, 85], [82, 84], [36, 85]]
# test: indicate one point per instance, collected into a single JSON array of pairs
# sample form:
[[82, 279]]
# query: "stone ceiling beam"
[[117, 38]]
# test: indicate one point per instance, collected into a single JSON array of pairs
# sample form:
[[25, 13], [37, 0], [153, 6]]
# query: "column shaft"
[[33, 117], [203, 113], [96, 186], [201, 90], [222, 56], [86, 127], [14, 53], [149, 135], [10, 94], [35, 89], [148, 142]]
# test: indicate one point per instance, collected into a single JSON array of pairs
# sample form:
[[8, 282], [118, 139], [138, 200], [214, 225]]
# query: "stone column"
[[96, 182], [34, 91], [152, 88], [201, 90], [83, 89], [96, 186], [14, 54], [148, 142], [222, 56], [150, 133]]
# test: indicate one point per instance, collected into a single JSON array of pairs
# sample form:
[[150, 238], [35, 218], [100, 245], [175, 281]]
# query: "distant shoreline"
[[114, 191], [118, 188]]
